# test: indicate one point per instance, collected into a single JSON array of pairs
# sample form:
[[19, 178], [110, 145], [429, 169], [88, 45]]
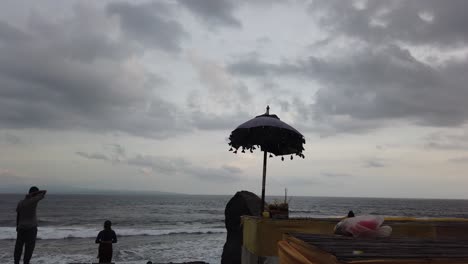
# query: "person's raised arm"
[[39, 195]]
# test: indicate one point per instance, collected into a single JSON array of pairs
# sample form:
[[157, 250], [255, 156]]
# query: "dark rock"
[[243, 203]]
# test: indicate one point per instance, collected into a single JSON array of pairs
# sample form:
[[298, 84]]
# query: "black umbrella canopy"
[[270, 134]]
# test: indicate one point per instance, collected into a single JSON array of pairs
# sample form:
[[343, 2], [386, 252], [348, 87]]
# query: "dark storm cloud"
[[378, 81], [418, 22], [374, 84], [70, 74], [9, 34], [151, 24], [81, 37], [214, 12]]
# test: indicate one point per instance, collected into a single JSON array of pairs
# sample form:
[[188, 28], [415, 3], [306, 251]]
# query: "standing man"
[[26, 224]]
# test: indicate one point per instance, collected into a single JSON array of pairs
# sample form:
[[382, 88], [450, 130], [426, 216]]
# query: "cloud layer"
[[169, 166], [386, 76], [74, 74], [170, 80]]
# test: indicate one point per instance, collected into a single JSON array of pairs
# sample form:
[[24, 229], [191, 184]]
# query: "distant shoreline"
[[157, 193]]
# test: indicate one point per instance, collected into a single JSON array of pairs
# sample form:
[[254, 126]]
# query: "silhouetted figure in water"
[[26, 224], [105, 239], [350, 214]]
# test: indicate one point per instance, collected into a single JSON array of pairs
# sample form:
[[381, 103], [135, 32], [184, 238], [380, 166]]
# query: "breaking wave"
[[84, 232]]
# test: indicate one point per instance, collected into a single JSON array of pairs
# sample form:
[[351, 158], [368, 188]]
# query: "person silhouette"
[[350, 214], [26, 224], [105, 239]]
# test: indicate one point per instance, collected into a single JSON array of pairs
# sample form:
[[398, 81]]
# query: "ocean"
[[172, 228]]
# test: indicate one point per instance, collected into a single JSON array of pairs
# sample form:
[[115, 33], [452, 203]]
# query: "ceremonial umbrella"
[[271, 135]]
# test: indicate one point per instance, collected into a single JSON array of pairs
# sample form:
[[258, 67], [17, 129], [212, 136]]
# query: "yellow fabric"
[[411, 261], [412, 219], [294, 251], [289, 255], [261, 235]]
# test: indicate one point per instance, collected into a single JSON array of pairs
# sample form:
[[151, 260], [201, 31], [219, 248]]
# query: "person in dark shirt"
[[26, 224], [105, 239]]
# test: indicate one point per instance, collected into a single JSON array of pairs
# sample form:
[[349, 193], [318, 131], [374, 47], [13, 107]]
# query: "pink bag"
[[363, 226]]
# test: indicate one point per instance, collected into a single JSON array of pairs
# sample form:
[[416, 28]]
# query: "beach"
[[172, 228]]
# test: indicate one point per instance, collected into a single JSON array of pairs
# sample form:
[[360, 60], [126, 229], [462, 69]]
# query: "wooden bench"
[[339, 249]]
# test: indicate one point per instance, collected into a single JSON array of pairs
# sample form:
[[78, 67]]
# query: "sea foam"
[[50, 232]]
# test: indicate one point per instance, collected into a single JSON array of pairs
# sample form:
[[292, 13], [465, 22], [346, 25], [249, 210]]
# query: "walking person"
[[26, 224], [105, 239]]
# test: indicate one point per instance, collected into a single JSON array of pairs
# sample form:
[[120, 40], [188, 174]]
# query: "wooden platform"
[[348, 249]]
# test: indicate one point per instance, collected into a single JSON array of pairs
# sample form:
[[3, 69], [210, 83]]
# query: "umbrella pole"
[[264, 179]]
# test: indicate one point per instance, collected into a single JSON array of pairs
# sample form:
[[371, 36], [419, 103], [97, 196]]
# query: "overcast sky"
[[142, 95]]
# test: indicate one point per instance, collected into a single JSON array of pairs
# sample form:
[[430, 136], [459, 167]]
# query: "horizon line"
[[160, 193]]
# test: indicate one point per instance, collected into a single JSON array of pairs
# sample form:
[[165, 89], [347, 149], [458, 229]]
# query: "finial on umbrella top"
[[268, 110]]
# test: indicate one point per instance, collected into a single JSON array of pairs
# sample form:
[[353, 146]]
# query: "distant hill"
[[121, 191], [10, 183], [64, 189]]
